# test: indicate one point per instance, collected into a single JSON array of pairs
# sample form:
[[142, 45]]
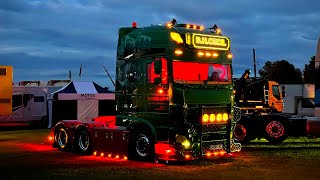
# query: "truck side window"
[[275, 91], [164, 73], [307, 103]]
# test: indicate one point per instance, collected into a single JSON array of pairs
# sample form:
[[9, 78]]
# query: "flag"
[[80, 70]]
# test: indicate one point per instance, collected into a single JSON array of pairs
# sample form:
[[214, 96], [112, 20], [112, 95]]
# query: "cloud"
[[40, 35]]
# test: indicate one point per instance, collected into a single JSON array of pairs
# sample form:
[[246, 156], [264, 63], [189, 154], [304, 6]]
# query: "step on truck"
[[174, 98]]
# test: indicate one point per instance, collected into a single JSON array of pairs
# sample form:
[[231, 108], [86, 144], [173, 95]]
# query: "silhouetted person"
[[214, 76], [241, 87]]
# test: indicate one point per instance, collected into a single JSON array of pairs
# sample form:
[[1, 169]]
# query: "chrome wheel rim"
[[62, 138], [142, 145], [84, 141]]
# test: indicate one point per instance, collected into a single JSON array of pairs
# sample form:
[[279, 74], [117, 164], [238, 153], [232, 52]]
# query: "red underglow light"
[[164, 149]]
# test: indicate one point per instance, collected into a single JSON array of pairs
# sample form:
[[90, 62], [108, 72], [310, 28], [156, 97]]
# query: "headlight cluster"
[[213, 118]]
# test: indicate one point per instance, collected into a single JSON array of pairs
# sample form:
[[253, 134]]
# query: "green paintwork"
[[138, 99], [204, 96]]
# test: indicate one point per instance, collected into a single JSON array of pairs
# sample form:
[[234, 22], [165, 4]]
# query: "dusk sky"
[[44, 39]]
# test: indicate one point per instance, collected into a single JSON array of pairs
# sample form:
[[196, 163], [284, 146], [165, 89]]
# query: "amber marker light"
[[95, 153], [178, 52], [201, 27], [208, 54], [50, 138], [212, 117], [200, 54], [205, 118], [194, 27], [125, 158], [187, 156], [219, 117], [109, 155], [225, 117], [160, 91], [229, 56], [188, 26], [215, 54], [117, 156], [102, 154]]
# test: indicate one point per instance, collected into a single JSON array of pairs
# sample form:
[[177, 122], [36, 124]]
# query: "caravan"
[[25, 103]]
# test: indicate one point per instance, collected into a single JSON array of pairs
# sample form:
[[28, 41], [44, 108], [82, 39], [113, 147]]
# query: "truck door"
[[275, 97], [157, 79]]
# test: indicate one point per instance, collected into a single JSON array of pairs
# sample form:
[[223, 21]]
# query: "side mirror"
[[157, 80], [157, 66], [283, 91]]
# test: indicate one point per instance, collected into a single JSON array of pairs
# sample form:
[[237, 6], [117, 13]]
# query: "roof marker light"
[[134, 24]]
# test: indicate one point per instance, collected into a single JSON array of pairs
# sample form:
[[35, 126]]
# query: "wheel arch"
[[137, 123]]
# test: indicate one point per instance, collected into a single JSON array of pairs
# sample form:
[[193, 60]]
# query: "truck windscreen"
[[198, 73]]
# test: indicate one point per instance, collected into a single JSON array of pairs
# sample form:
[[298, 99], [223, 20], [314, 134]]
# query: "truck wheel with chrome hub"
[[83, 142], [62, 139], [142, 146], [276, 131]]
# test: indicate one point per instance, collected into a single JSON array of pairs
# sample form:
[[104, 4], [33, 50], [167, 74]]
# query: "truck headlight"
[[183, 140]]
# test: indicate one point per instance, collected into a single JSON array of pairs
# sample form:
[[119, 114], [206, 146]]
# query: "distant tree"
[[308, 71], [282, 72]]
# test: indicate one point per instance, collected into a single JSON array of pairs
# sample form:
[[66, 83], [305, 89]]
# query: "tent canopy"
[[81, 100]]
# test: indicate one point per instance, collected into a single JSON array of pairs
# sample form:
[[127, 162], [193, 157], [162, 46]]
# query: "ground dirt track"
[[26, 154]]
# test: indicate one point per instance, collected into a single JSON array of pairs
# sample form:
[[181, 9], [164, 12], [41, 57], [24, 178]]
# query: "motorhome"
[[24, 103]]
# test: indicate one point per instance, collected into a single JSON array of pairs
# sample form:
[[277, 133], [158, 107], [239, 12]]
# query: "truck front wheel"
[[276, 131], [142, 145], [242, 133]]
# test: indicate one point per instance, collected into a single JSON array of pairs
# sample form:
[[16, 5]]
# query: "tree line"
[[284, 72]]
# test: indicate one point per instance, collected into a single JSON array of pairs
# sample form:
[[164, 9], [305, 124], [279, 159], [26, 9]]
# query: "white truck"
[[299, 99]]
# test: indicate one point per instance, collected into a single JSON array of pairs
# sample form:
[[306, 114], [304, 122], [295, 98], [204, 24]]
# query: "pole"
[[254, 63], [109, 75]]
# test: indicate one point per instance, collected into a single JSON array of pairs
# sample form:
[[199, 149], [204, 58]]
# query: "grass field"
[[26, 154]]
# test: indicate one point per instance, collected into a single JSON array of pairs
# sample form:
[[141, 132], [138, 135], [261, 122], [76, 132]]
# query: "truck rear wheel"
[[276, 131], [142, 145], [242, 133], [83, 142], [62, 139]]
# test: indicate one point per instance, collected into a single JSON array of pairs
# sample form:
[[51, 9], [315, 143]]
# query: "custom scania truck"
[[174, 98]]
